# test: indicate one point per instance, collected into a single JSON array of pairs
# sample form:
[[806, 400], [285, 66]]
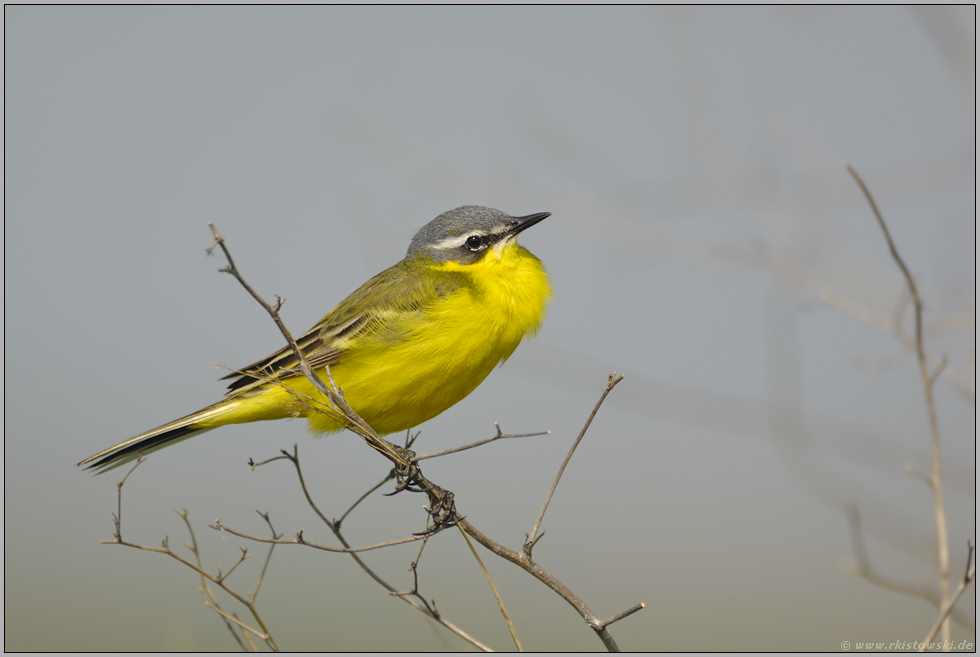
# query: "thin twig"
[[117, 518], [209, 598], [532, 538], [942, 541], [268, 558], [864, 564], [493, 587], [332, 393], [422, 606], [971, 573], [232, 619], [623, 614], [939, 370], [865, 570], [499, 436], [441, 508], [520, 559], [165, 549], [409, 476], [918, 475], [391, 475], [240, 561], [299, 540], [764, 257]]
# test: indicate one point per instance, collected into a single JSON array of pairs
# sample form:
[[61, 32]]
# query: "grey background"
[[714, 482]]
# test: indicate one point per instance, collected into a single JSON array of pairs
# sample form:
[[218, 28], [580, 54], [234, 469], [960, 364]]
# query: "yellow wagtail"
[[404, 347]]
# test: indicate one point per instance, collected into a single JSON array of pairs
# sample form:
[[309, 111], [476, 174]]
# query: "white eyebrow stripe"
[[454, 242]]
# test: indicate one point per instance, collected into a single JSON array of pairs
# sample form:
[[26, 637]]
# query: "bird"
[[404, 347]]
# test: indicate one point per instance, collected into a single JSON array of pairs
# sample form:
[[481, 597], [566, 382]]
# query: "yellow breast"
[[443, 353]]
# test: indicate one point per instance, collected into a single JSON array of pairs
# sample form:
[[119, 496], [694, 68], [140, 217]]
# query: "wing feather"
[[375, 307]]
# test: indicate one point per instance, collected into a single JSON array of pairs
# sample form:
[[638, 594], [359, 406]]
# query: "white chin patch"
[[498, 248]]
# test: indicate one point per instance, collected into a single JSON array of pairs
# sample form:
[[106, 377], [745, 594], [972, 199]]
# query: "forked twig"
[[499, 436], [523, 558], [391, 475], [415, 600], [300, 540], [935, 481], [520, 559], [206, 577], [268, 558], [206, 592], [971, 573], [865, 570]]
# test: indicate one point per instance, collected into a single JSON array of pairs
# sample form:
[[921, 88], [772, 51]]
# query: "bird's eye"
[[474, 242]]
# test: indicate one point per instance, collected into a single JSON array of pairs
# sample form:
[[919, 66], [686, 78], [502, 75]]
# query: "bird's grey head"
[[466, 234]]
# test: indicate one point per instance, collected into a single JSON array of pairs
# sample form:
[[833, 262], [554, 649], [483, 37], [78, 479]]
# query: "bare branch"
[[209, 597], [408, 477], [532, 538], [764, 257], [942, 541], [422, 606], [865, 570], [864, 565], [499, 436], [117, 519], [332, 393], [623, 614], [299, 540], [493, 587], [268, 558], [232, 619], [391, 475], [521, 559], [971, 573]]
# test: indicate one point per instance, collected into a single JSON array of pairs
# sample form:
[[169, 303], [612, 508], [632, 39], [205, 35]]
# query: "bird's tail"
[[163, 436]]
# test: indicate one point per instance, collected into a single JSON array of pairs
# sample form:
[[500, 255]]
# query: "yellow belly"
[[437, 358]]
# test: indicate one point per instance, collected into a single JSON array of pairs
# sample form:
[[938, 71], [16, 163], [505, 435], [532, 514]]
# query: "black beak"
[[523, 223]]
